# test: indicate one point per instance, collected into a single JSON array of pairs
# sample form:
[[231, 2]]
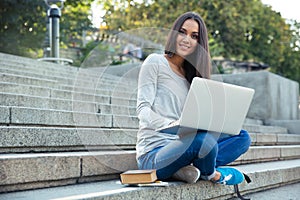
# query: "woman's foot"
[[189, 174], [228, 176]]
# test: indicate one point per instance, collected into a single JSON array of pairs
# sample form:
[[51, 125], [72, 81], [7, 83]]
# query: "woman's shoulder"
[[155, 57]]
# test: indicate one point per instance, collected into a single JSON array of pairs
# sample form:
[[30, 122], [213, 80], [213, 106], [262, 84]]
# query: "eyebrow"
[[192, 32]]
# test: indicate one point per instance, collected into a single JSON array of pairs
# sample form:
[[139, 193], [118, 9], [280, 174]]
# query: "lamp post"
[[54, 14]]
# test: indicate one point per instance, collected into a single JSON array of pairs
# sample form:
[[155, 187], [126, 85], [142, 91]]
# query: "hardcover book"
[[138, 176]]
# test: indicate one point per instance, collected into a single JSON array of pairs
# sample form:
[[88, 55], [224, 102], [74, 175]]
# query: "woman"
[[164, 81]]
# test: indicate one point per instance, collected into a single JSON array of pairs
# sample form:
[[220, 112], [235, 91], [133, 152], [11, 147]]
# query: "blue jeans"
[[204, 150]]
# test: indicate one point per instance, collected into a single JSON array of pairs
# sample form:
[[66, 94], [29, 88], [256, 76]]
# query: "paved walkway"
[[289, 192]]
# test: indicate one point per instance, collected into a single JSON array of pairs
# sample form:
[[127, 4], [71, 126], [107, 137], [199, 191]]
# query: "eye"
[[182, 32], [195, 36]]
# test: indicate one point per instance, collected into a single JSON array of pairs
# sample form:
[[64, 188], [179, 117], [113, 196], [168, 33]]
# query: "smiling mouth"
[[184, 46]]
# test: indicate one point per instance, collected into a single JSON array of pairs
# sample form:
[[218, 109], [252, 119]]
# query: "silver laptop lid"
[[216, 106]]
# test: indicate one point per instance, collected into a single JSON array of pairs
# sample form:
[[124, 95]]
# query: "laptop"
[[213, 106]]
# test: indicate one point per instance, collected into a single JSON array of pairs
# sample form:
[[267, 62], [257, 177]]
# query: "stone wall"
[[275, 97]]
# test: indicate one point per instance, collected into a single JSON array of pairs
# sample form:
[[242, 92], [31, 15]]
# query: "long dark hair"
[[198, 63]]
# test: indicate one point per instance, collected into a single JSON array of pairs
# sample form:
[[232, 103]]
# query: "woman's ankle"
[[216, 177], [209, 177]]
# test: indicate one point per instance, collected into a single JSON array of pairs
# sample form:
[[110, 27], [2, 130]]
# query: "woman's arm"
[[147, 91]]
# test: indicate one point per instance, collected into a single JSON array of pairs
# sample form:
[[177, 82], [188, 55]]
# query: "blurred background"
[[244, 35]]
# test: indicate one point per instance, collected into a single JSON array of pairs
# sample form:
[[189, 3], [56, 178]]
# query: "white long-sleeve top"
[[160, 100]]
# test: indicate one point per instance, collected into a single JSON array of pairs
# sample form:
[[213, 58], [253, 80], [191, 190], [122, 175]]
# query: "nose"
[[186, 38]]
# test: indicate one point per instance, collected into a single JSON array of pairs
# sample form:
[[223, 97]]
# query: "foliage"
[[291, 61], [75, 20], [15, 29], [239, 30], [23, 24]]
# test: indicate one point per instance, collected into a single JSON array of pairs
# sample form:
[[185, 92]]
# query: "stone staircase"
[[75, 129]]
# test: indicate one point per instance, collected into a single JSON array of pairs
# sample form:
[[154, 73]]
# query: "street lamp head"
[[54, 11], [55, 2]]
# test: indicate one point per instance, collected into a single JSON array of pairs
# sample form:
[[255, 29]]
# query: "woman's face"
[[187, 38]]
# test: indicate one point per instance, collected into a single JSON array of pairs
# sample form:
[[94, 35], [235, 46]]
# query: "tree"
[[127, 14], [290, 65], [75, 19], [17, 31], [241, 30], [23, 24]]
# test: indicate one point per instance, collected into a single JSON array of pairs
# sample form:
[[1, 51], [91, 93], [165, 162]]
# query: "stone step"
[[24, 61], [21, 89], [264, 129], [5, 115], [293, 126], [81, 78], [264, 176], [35, 67], [76, 86], [54, 139], [47, 68], [269, 153], [275, 138], [19, 79], [112, 116], [65, 72], [82, 94], [290, 191], [253, 121], [34, 170], [16, 100], [50, 117], [46, 117], [23, 72], [21, 139], [31, 67]]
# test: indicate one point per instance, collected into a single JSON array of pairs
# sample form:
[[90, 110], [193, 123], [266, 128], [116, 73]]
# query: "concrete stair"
[[76, 129], [267, 175]]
